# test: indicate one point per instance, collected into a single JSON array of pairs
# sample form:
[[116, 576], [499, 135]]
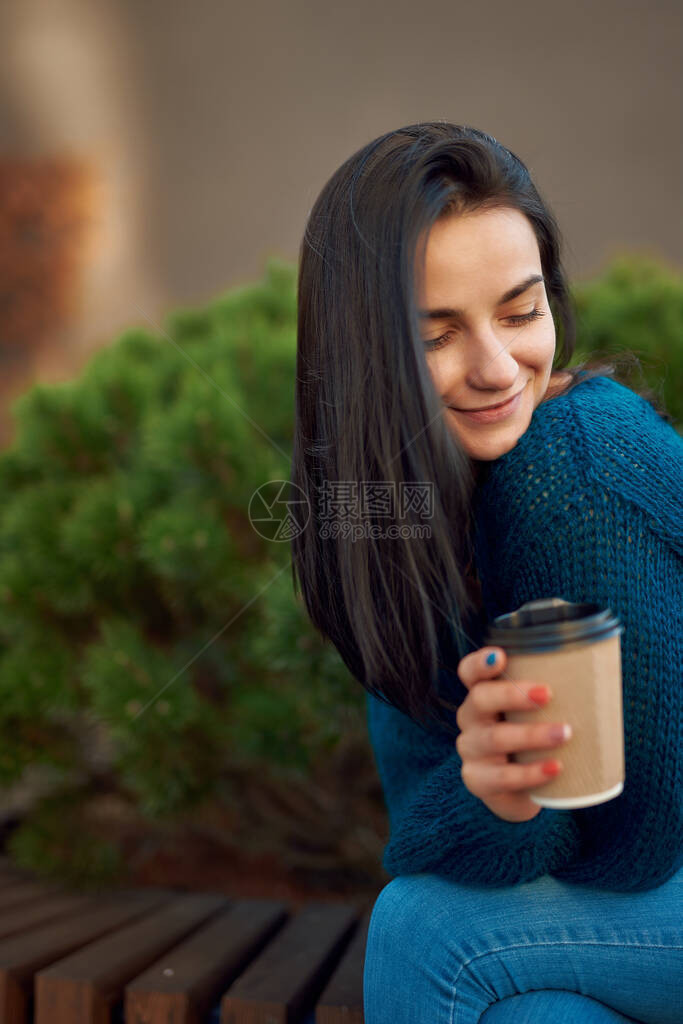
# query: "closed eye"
[[514, 321]]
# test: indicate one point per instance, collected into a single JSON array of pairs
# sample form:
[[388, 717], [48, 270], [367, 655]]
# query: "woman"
[[430, 288]]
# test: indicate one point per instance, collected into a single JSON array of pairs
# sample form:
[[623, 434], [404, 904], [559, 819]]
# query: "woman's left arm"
[[612, 553]]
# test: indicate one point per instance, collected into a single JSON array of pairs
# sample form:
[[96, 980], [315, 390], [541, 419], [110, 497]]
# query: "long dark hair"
[[367, 411]]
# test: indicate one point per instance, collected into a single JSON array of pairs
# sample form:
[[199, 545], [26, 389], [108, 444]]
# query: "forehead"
[[474, 253]]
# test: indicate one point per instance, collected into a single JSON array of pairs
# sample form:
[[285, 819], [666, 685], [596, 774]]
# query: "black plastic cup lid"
[[551, 622]]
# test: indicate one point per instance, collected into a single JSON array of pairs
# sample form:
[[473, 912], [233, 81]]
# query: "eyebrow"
[[457, 314]]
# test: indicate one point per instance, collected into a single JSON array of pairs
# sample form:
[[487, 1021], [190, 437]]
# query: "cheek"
[[540, 347], [443, 371], [549, 333]]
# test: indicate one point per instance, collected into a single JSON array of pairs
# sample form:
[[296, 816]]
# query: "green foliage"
[[135, 592], [37, 578], [168, 740], [637, 306], [57, 843], [278, 720]]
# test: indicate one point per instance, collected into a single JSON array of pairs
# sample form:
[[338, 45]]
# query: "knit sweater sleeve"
[[437, 825], [605, 547], [590, 541]]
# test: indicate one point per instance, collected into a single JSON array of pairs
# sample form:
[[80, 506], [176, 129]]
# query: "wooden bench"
[[161, 956]]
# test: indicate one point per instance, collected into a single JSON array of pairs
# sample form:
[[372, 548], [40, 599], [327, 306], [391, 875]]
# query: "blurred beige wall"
[[217, 124]]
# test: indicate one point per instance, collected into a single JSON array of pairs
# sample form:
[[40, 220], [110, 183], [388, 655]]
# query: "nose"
[[492, 366]]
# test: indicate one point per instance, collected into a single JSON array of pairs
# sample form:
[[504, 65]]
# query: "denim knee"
[[399, 910], [407, 964], [409, 924], [423, 908], [441, 951]]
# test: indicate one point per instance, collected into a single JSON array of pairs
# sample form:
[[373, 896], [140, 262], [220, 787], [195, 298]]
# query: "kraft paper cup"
[[576, 650]]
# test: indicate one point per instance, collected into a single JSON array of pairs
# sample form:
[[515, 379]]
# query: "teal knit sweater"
[[588, 506]]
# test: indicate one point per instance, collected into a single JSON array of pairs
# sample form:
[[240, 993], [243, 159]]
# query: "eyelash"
[[525, 318]]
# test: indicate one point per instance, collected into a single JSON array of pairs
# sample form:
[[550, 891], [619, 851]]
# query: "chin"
[[486, 449], [494, 450]]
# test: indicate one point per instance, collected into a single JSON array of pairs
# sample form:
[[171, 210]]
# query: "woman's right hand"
[[485, 739]]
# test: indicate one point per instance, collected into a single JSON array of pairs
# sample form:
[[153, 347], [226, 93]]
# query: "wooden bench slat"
[[134, 957], [83, 987], [9, 878], [25, 892], [183, 986], [289, 974], [7, 867], [341, 1002], [21, 918], [22, 955]]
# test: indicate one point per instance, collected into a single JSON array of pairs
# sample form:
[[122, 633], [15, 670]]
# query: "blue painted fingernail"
[[491, 658]]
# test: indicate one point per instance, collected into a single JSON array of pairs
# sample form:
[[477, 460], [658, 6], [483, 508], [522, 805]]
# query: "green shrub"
[[138, 604], [636, 305]]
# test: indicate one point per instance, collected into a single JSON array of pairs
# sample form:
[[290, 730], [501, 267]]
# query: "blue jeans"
[[542, 952]]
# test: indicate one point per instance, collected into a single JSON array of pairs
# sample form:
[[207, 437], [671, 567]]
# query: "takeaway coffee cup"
[[576, 650]]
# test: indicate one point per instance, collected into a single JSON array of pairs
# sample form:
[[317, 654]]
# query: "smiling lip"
[[493, 413], [485, 408]]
